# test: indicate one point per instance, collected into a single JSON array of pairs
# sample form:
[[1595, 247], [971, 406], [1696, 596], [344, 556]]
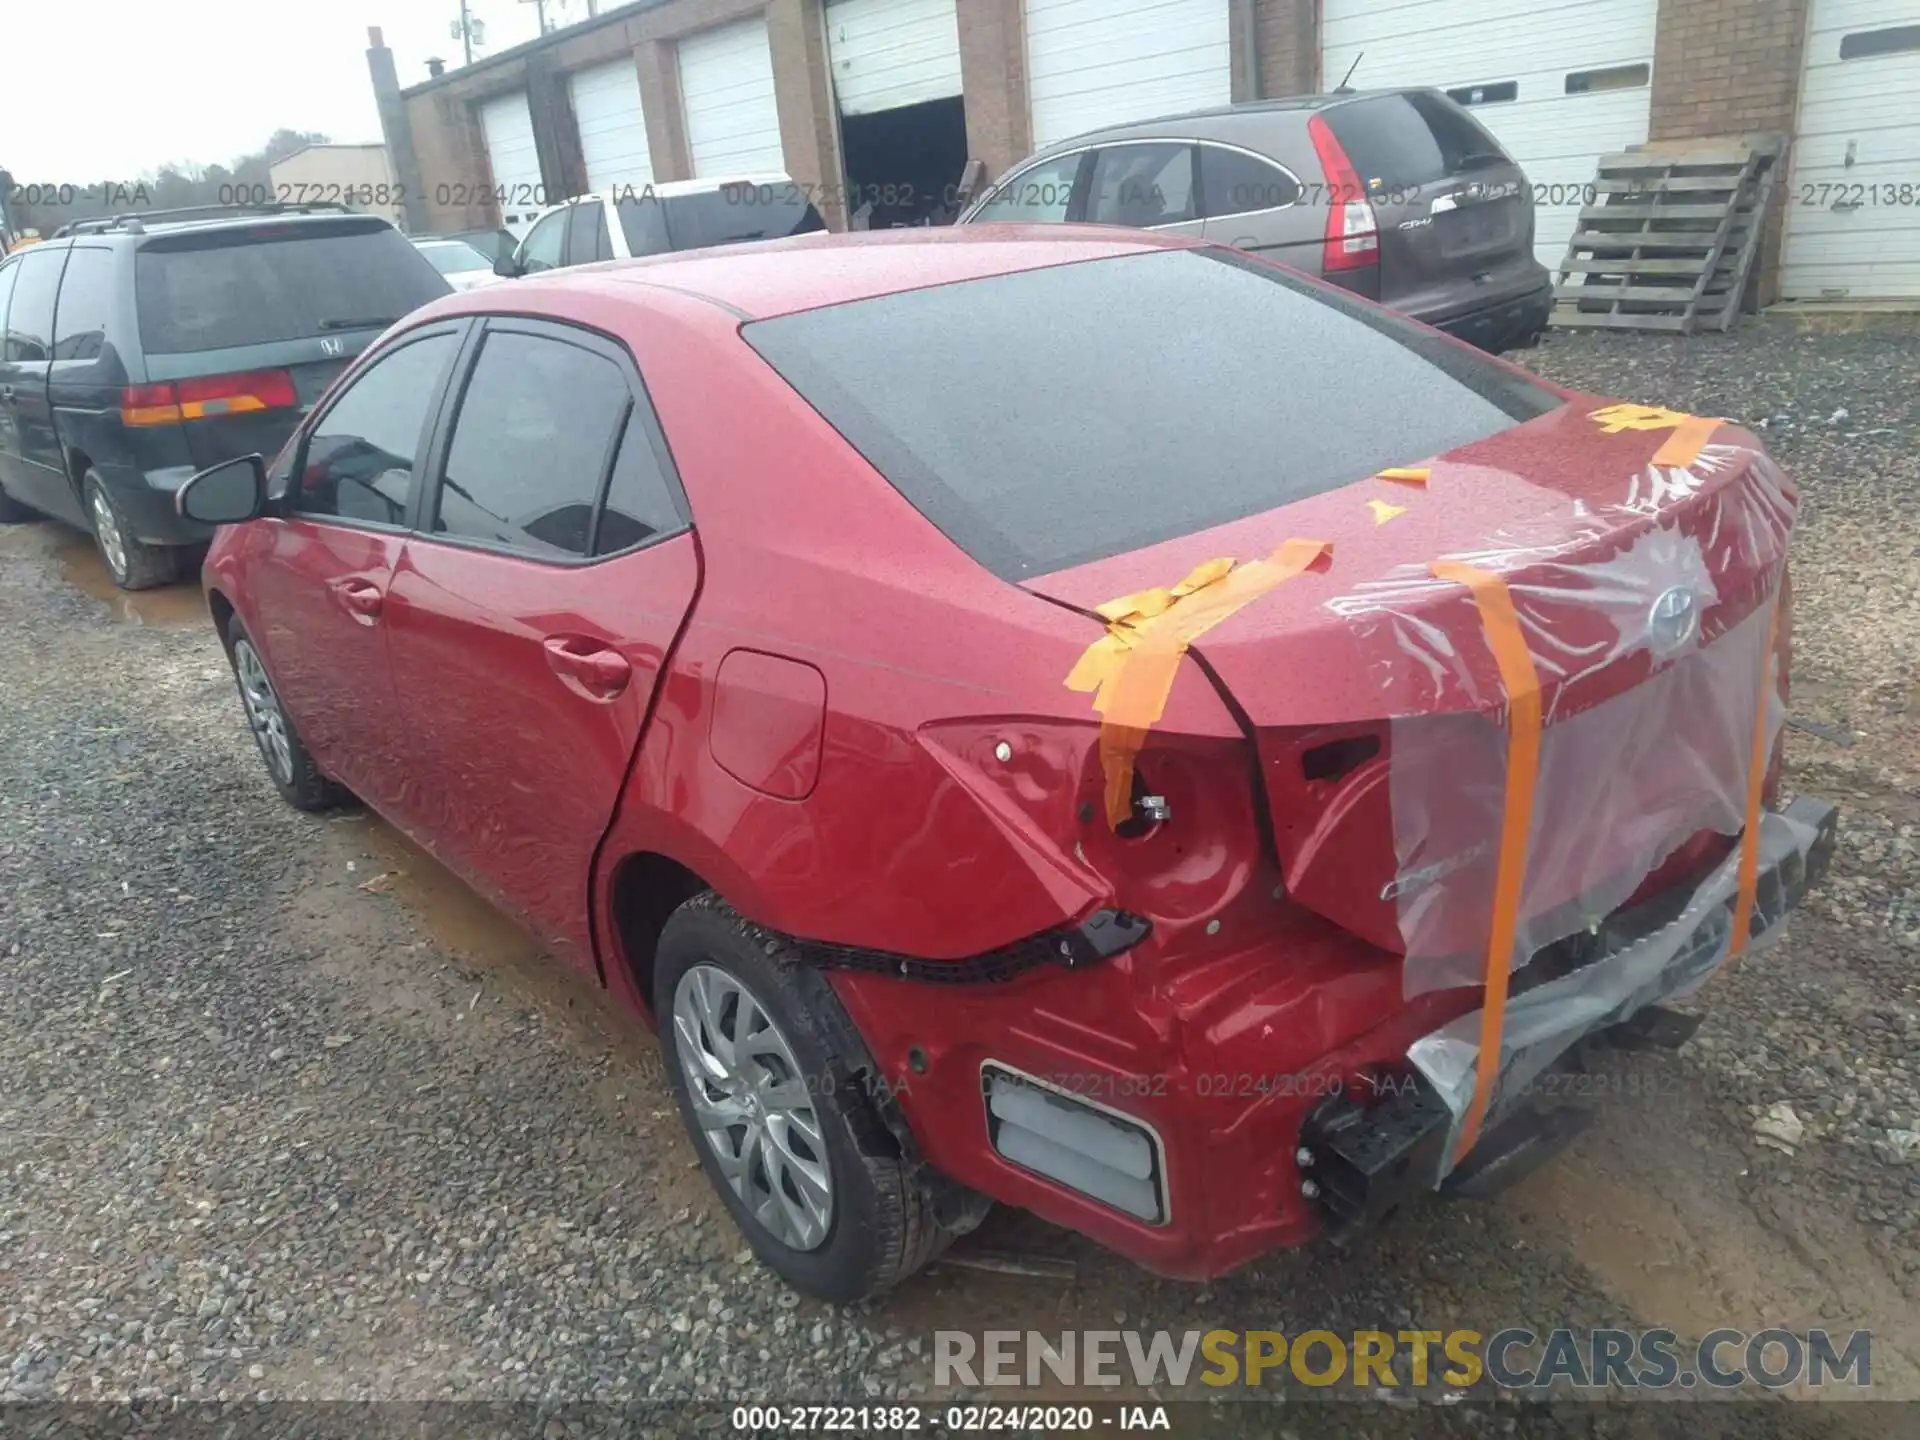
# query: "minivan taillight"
[[1353, 234], [206, 397]]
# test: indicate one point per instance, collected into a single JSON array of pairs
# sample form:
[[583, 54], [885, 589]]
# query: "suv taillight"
[[1353, 234], [206, 396]]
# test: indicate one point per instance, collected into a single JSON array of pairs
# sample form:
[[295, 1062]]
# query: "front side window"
[[543, 248], [363, 454], [1141, 185], [1038, 194], [86, 295], [531, 444], [30, 316], [7, 273], [1233, 182]]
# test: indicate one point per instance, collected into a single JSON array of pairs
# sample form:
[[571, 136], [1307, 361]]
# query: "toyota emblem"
[[1673, 621]]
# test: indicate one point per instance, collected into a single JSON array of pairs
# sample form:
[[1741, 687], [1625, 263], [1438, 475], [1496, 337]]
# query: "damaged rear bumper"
[[1364, 1163]]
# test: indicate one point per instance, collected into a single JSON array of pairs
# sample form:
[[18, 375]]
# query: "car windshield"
[[217, 288], [1067, 414], [452, 257]]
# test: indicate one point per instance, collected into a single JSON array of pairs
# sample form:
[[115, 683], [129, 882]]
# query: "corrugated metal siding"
[[726, 84], [1557, 138], [613, 128], [1103, 62], [514, 159], [889, 53], [1870, 247]]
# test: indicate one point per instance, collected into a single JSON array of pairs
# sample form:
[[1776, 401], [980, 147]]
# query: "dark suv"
[[1397, 195], [140, 349]]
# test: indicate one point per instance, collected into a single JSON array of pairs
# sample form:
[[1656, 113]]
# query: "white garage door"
[[613, 130], [507, 125], [1853, 212], [1558, 86], [889, 53], [1105, 62], [726, 84]]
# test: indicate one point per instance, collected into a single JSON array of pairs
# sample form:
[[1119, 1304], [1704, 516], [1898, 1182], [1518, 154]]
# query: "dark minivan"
[[1397, 195], [140, 349]]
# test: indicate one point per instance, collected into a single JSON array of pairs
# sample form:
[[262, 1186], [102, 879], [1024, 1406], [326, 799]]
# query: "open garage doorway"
[[904, 165]]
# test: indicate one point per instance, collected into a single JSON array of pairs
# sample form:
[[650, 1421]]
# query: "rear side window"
[[219, 289], [30, 316], [1235, 183], [587, 239], [361, 458], [1398, 141], [86, 297], [1058, 420], [734, 213], [640, 503], [1141, 185], [530, 448], [644, 222]]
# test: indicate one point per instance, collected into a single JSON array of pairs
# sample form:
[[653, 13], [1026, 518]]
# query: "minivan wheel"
[[133, 564], [791, 1128], [292, 768]]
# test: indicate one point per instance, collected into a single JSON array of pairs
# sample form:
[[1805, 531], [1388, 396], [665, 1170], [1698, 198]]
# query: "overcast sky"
[[92, 90]]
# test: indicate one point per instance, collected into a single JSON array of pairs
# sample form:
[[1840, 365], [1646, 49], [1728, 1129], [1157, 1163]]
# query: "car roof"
[[133, 225], [668, 189], [1220, 121], [806, 272]]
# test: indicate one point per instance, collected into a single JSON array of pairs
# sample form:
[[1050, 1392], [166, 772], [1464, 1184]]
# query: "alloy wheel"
[[752, 1106], [106, 529], [263, 711]]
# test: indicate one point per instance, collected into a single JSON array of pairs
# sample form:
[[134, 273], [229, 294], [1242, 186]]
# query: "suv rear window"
[[1399, 141], [213, 289], [1084, 410]]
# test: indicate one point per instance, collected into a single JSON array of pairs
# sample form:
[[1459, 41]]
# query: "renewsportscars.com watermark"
[[1513, 1359]]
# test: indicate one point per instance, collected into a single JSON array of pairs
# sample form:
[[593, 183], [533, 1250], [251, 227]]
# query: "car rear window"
[[1067, 414], [211, 290], [1399, 141], [726, 216]]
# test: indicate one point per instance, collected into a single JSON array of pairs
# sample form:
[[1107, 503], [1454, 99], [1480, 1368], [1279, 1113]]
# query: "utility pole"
[[465, 27], [540, 12]]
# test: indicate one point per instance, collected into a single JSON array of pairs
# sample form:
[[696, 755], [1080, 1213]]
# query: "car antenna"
[[1343, 87]]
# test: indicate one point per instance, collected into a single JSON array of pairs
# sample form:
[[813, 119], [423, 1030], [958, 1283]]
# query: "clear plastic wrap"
[[1647, 624], [1542, 1023]]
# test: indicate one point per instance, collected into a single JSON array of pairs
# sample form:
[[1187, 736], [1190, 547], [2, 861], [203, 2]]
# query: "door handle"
[[362, 599], [587, 667]]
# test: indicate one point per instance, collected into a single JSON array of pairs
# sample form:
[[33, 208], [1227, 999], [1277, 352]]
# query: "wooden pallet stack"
[[1670, 237]]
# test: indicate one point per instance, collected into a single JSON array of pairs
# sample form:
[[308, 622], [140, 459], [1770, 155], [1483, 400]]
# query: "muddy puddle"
[[81, 567]]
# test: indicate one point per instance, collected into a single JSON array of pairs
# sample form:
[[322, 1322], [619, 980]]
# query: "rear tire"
[[133, 564], [289, 764], [888, 1212]]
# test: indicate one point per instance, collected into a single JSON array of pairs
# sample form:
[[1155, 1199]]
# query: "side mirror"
[[507, 268], [225, 494]]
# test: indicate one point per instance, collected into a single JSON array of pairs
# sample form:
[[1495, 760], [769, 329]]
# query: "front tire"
[[290, 766], [791, 1128], [133, 564]]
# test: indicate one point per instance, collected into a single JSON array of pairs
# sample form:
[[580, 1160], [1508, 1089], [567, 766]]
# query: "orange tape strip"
[[1130, 670], [1405, 474], [1756, 781], [1689, 438], [1522, 682]]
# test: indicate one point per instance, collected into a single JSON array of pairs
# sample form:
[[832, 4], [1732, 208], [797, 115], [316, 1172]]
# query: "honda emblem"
[[331, 346]]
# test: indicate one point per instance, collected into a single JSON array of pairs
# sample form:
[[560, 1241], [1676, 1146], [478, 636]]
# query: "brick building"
[[865, 99]]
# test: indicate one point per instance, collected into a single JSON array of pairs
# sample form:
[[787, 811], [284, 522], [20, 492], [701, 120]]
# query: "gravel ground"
[[284, 1114]]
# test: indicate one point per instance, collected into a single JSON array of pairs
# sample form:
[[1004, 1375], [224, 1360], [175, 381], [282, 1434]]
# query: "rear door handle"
[[362, 599], [588, 667]]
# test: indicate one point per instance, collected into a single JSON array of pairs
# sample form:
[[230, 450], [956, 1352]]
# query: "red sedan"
[[1066, 717]]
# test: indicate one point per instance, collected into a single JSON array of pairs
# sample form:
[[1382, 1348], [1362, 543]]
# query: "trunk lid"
[[1375, 703], [1454, 212]]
